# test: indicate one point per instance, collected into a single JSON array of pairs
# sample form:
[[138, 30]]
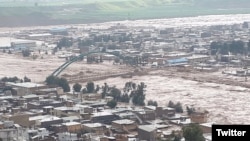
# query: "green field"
[[20, 13]]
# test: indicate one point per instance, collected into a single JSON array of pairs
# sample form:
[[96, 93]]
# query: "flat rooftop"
[[124, 121], [26, 84], [93, 125]]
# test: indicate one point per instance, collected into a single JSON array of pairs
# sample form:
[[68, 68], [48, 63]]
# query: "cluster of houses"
[[148, 46], [31, 111]]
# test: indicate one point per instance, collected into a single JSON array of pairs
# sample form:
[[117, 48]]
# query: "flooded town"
[[124, 80]]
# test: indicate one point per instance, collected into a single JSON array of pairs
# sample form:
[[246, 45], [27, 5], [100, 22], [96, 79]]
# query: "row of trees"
[[234, 47], [134, 93], [56, 81], [104, 38], [178, 107], [15, 79], [65, 42]]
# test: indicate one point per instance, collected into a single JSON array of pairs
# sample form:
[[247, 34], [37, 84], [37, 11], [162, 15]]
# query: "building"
[[147, 133], [59, 31], [44, 102], [66, 111], [124, 125], [67, 136], [165, 112], [45, 121], [206, 127], [26, 87], [42, 36], [18, 118], [146, 115], [73, 127], [104, 117], [198, 58], [96, 128], [199, 117], [23, 45], [176, 62]]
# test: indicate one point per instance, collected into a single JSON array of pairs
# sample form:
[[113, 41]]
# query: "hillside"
[[46, 12]]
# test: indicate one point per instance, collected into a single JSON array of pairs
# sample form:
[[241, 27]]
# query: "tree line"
[[233, 47], [15, 79]]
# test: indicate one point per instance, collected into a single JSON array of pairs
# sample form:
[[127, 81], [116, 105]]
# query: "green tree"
[[61, 82], [105, 90], [84, 91], [193, 132], [171, 104], [190, 110], [77, 87], [9, 52], [90, 87], [125, 98], [65, 42], [97, 88], [64, 84], [26, 79], [115, 93], [26, 53], [152, 103], [138, 96], [10, 79], [178, 108], [112, 104]]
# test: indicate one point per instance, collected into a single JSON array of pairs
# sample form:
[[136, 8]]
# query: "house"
[[105, 138], [44, 121], [91, 96], [13, 133], [46, 91], [124, 125], [26, 87], [146, 115], [199, 117], [104, 117], [59, 31], [198, 58], [206, 127], [164, 112], [23, 45], [39, 134], [67, 136], [147, 133], [96, 128], [73, 127], [44, 102], [42, 36], [18, 118], [176, 62], [30, 97], [66, 111]]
